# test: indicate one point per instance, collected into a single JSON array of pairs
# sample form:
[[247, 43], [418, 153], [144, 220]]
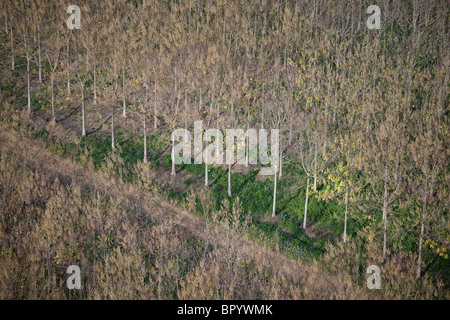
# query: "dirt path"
[[318, 284]]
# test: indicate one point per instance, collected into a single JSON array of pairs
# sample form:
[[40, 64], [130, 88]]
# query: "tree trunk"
[[385, 196], [123, 92], [155, 118], [335, 92], [262, 116], [422, 231], [315, 168], [113, 145], [185, 111], [281, 164], [229, 180], [385, 239], [145, 143], [13, 65], [306, 202], [68, 71], [83, 128], [274, 194], [28, 85], [53, 97], [291, 128], [206, 173], [346, 215], [175, 84], [95, 85], [39, 56], [385, 208], [247, 142], [173, 156], [160, 263], [326, 119]]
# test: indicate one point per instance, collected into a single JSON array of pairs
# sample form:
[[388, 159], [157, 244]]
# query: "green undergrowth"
[[255, 195]]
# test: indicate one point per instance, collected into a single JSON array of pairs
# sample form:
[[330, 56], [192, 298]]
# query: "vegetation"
[[363, 119]]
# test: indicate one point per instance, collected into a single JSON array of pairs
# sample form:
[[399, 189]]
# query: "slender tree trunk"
[[315, 168], [68, 71], [306, 202], [229, 180], [335, 92], [185, 111], [385, 195], [262, 117], [205, 250], [274, 194], [95, 84], [39, 56], [206, 173], [123, 92], [422, 230], [113, 145], [173, 156], [233, 114], [116, 74], [175, 84], [28, 85], [385, 239], [13, 65], [281, 162], [247, 142], [83, 128], [145, 143], [52, 77], [291, 127], [326, 119], [160, 264], [346, 215], [385, 209], [155, 118]]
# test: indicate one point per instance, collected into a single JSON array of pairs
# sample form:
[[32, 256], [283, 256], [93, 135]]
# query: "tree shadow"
[[293, 196], [70, 114], [162, 153], [98, 128], [251, 175]]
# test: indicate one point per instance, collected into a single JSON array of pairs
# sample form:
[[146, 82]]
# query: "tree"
[[53, 57], [145, 142], [39, 11], [429, 133], [83, 68], [383, 150], [25, 28], [306, 151]]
